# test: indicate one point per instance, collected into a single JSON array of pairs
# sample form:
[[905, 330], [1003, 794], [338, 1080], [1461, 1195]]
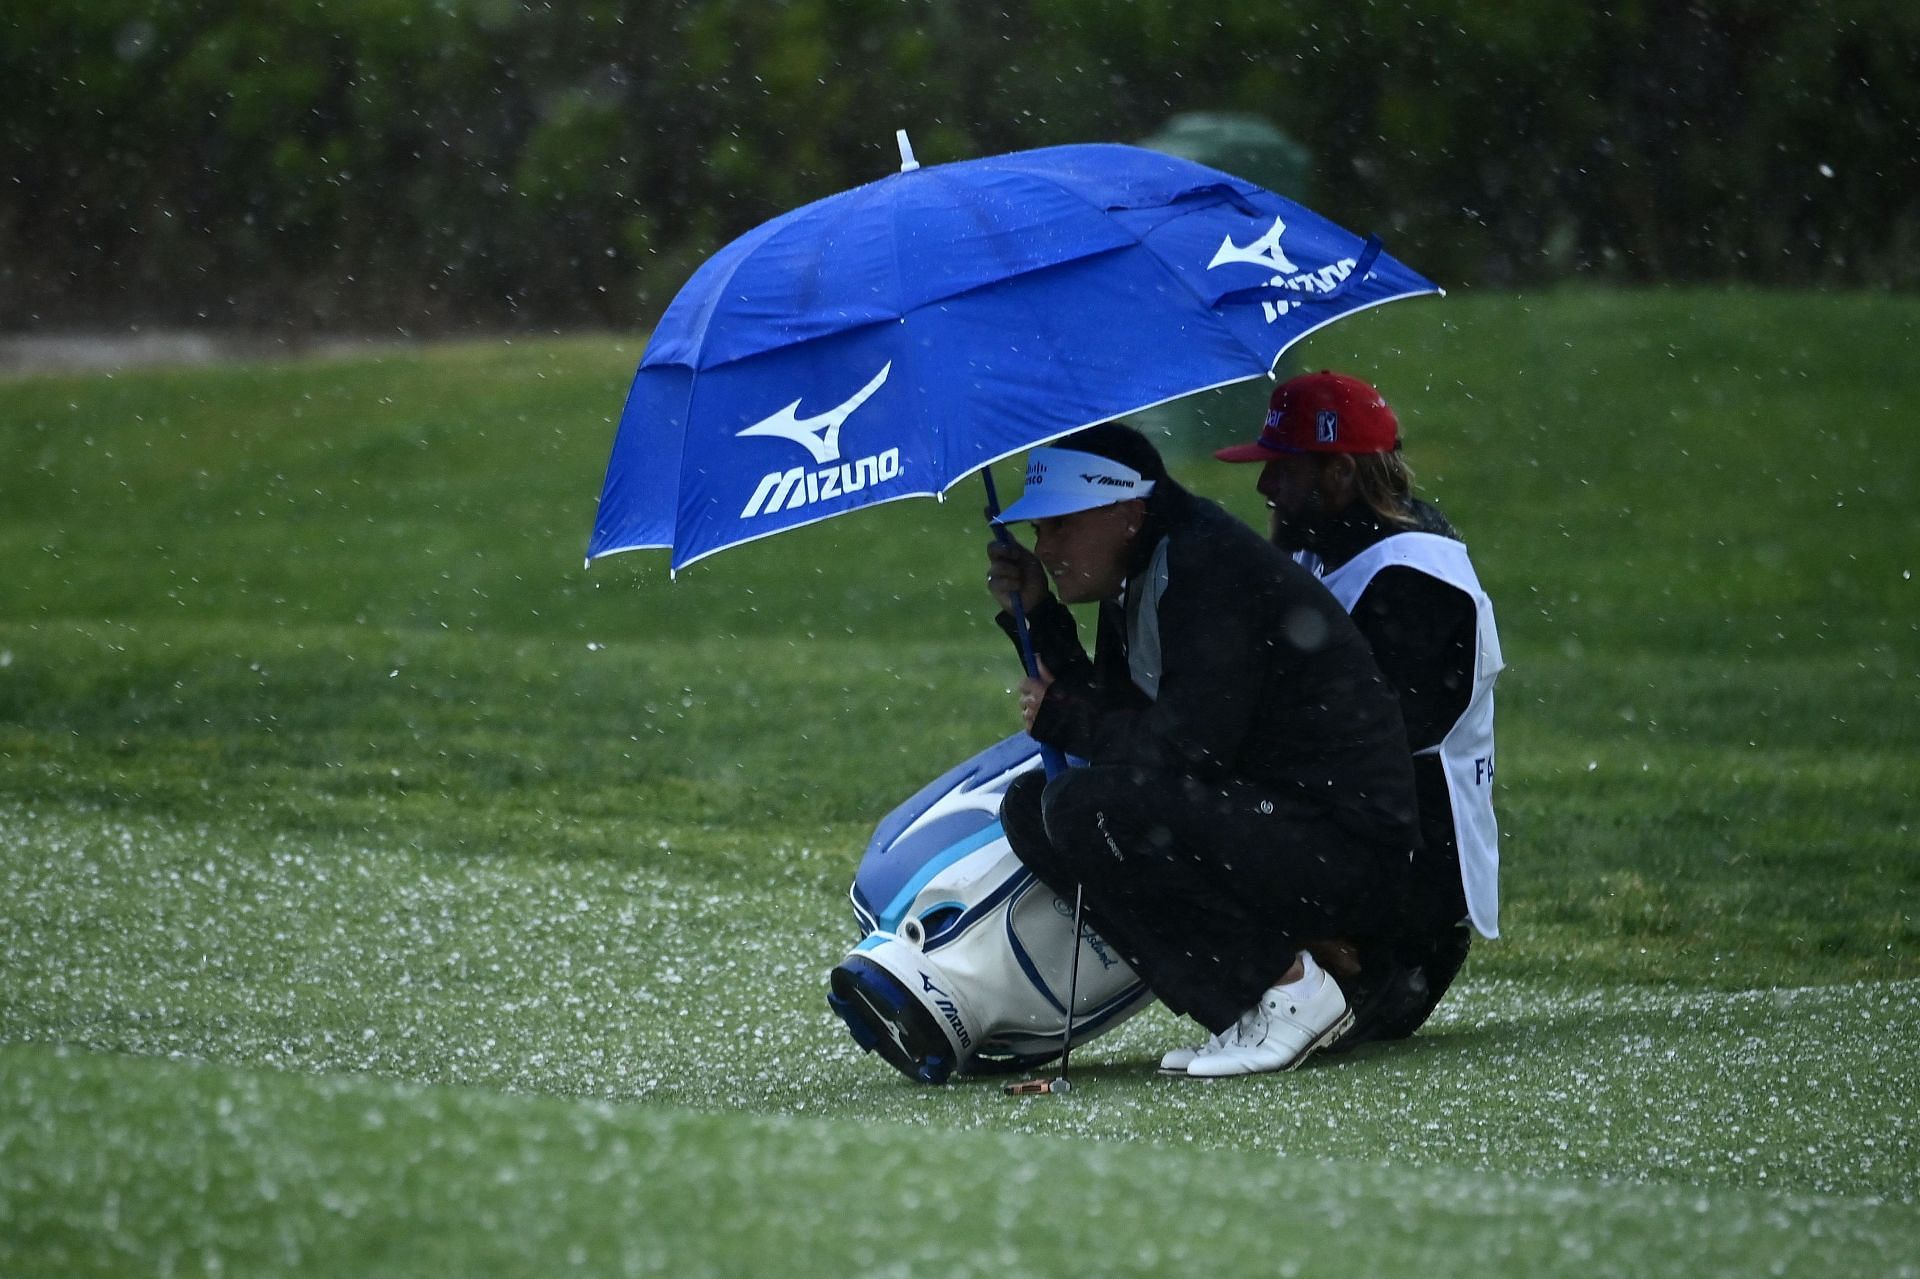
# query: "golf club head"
[[1040, 1087]]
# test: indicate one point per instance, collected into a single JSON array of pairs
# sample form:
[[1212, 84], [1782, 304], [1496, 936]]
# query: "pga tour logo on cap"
[[1326, 426]]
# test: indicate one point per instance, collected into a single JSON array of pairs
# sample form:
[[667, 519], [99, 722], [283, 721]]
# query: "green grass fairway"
[[382, 892]]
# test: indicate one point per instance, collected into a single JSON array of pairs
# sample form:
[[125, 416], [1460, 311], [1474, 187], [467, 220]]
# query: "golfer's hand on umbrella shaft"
[[1032, 692], [1012, 568]]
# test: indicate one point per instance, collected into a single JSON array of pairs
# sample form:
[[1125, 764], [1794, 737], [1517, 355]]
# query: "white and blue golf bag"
[[964, 957]]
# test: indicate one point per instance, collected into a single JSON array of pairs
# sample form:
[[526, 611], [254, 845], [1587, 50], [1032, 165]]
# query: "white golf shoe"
[[1278, 1033], [1177, 1060]]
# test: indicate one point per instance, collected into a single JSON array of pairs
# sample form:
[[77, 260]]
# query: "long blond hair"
[[1384, 482]]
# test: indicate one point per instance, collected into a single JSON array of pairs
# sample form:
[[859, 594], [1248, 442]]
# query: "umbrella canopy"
[[888, 341]]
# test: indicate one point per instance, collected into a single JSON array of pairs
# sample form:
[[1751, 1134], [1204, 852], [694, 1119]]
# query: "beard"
[[1299, 531]]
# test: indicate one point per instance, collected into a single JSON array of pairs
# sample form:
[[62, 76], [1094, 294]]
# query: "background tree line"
[[440, 164]]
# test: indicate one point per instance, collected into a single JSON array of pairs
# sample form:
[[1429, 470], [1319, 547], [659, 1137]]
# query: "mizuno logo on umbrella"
[[820, 434], [791, 489], [1266, 252]]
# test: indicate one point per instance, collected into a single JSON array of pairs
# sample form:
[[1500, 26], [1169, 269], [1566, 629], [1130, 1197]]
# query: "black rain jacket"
[[1263, 677]]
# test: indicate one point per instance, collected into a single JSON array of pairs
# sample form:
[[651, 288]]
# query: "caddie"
[[1341, 500], [1247, 788]]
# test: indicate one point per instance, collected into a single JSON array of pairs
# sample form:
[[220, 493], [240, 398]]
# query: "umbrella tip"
[[907, 163]]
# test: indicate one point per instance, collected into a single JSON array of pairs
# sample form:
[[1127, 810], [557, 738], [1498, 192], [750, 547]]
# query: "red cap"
[[1321, 413]]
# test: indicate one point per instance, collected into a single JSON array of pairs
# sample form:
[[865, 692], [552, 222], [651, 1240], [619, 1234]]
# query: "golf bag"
[[964, 957]]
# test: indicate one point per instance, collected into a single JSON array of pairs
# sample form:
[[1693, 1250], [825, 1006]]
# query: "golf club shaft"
[[1073, 980]]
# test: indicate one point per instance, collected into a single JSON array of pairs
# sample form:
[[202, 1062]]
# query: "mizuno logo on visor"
[[1063, 481], [1069, 470]]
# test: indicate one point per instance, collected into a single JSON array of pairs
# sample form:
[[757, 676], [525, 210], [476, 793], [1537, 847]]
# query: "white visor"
[[1063, 481]]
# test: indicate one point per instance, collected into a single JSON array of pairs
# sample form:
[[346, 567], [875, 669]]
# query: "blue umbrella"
[[889, 341]]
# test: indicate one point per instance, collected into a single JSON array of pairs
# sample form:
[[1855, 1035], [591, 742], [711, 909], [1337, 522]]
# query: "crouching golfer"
[[1247, 790]]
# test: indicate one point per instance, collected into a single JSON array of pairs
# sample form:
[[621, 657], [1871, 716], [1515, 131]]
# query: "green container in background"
[[1249, 147]]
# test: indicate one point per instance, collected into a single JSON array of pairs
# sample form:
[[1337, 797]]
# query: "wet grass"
[[349, 1174], [382, 891]]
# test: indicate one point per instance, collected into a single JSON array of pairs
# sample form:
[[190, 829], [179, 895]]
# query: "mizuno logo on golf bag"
[[945, 1005], [1266, 252]]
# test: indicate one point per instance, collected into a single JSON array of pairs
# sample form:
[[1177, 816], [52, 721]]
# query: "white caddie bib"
[[1466, 752]]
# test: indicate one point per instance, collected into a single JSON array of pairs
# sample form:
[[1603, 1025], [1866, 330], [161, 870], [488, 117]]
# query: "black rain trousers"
[[1207, 889]]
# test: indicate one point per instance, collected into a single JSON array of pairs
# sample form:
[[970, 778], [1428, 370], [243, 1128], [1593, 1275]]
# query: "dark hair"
[[1118, 442]]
